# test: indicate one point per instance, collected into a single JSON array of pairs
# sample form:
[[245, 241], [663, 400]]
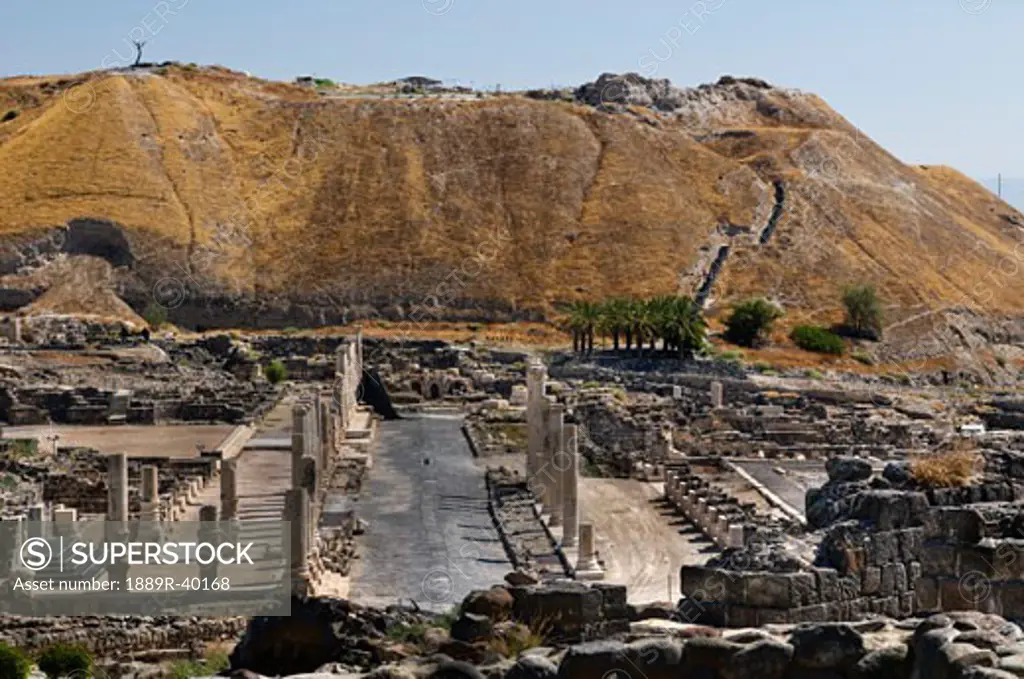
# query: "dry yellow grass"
[[512, 204], [950, 468]]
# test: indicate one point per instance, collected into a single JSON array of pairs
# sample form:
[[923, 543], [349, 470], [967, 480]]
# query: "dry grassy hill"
[[239, 201]]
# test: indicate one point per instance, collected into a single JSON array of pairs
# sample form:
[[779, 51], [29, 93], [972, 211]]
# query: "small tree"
[[750, 322], [863, 312], [139, 44], [14, 663], [62, 660], [275, 372], [154, 315]]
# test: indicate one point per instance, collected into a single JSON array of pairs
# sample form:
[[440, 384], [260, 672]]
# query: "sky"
[[934, 81]]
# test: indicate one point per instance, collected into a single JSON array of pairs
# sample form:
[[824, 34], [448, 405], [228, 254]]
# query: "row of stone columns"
[[719, 520], [553, 467]]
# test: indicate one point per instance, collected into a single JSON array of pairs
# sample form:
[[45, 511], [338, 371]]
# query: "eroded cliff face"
[[235, 201]]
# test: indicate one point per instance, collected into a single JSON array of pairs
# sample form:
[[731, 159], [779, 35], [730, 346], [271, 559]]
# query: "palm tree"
[[590, 314], [615, 320], [687, 327]]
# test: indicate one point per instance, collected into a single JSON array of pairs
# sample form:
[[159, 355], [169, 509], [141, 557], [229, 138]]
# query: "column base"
[[590, 570]]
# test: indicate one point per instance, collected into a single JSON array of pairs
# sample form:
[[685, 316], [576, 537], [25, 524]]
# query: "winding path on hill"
[[429, 537], [704, 292]]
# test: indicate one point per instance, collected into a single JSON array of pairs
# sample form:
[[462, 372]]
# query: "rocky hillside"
[[236, 201]]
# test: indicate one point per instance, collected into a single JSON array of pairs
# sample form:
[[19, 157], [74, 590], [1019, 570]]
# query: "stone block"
[[574, 605], [713, 585], [883, 548], [1009, 560], [871, 580], [938, 559], [910, 540], [891, 509], [926, 594], [827, 580], [913, 572], [975, 560], [805, 589], [958, 524], [907, 602], [957, 595], [742, 616], [894, 579], [1011, 596], [770, 590]]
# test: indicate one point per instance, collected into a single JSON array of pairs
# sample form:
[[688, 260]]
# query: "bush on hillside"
[[154, 315], [14, 663], [750, 322], [275, 372], [62, 660], [813, 338]]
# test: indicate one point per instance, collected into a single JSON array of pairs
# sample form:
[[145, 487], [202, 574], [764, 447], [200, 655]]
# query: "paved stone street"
[[430, 537]]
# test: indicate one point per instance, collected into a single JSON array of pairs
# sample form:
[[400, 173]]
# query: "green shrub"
[[731, 356], [813, 374], [750, 322], [9, 116], [154, 315], [813, 338], [324, 83], [863, 312], [275, 372], [14, 663], [60, 660]]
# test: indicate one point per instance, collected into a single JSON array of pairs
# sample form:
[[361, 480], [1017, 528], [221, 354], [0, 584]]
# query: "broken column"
[[551, 498], [587, 565], [570, 486], [535, 376]]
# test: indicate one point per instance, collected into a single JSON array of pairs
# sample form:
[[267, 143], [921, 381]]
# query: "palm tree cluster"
[[676, 321]]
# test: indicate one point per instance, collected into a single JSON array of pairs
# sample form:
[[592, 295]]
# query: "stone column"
[[570, 486], [296, 510], [552, 498], [117, 488], [150, 510], [735, 535], [587, 560], [229, 491], [535, 377], [716, 395], [298, 442], [117, 509], [36, 518]]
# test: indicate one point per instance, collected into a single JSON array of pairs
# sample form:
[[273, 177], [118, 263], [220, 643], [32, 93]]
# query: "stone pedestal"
[[569, 459], [587, 566], [717, 399], [735, 535]]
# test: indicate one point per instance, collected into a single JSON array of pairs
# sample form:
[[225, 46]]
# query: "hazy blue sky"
[[935, 81]]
